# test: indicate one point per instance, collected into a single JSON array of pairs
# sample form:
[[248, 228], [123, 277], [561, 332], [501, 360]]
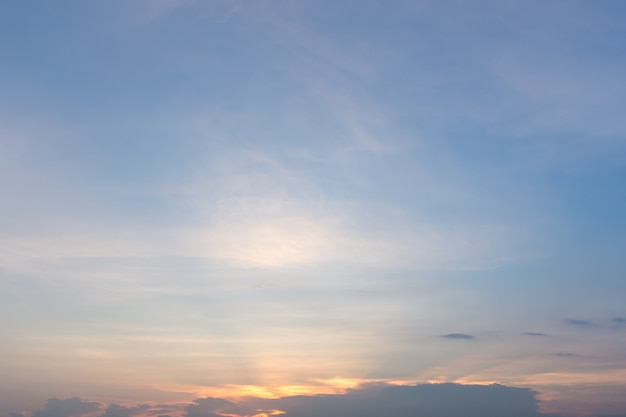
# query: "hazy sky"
[[269, 198]]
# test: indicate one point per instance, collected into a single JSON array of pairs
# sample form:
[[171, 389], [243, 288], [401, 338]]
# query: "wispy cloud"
[[578, 323], [566, 354], [462, 336], [151, 11], [618, 321]]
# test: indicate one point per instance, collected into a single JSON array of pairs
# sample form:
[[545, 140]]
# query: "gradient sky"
[[234, 198]]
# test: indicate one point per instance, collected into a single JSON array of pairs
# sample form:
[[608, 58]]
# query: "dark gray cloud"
[[618, 321], [578, 323], [431, 400], [535, 334], [67, 408], [566, 354], [457, 336], [115, 410], [164, 410], [371, 400], [75, 407], [207, 407]]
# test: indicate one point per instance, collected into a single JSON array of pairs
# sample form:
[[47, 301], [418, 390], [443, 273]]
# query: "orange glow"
[[556, 391], [259, 413], [235, 392], [269, 413]]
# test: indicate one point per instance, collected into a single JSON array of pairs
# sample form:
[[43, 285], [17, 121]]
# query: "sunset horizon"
[[249, 208]]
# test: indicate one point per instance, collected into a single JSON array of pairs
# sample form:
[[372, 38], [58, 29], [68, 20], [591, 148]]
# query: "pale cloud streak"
[[264, 212], [152, 11]]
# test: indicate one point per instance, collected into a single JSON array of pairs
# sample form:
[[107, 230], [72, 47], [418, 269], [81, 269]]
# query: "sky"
[[312, 208]]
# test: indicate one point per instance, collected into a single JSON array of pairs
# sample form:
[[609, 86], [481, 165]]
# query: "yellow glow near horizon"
[[556, 391], [236, 392]]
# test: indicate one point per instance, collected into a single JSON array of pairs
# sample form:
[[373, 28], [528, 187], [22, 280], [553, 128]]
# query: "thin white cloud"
[[268, 214]]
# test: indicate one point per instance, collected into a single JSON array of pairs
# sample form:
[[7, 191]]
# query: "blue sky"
[[228, 198]]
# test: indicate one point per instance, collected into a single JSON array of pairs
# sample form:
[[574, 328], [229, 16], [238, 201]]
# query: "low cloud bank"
[[434, 400], [372, 400]]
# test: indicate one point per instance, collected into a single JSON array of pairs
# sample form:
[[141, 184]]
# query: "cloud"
[[458, 336], [369, 400], [434, 400], [115, 410], [76, 407], [153, 11], [262, 209], [209, 407], [67, 408], [535, 334], [578, 323]]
